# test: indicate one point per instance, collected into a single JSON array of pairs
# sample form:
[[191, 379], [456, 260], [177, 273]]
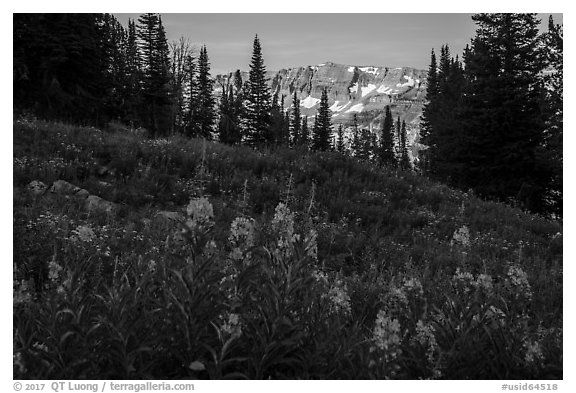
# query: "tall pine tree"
[[295, 121], [156, 78], [257, 106], [322, 138], [502, 112], [404, 158], [386, 152], [205, 115]]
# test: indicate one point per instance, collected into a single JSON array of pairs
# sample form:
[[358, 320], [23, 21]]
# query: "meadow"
[[178, 258]]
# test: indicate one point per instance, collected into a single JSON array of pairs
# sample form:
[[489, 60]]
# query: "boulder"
[[95, 203], [62, 187], [36, 187]]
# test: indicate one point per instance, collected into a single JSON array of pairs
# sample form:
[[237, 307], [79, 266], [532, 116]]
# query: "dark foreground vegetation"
[[179, 258]]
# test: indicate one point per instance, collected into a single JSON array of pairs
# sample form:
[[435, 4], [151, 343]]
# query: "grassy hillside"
[[222, 262]]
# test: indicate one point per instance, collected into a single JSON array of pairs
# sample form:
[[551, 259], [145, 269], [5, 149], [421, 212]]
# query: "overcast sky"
[[290, 40]]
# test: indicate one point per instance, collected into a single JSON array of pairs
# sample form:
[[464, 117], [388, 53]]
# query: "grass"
[[278, 264]]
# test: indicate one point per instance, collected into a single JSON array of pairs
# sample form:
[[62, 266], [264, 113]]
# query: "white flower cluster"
[[461, 237], [533, 352], [232, 325], [200, 214], [54, 270], [425, 336], [339, 298], [386, 335], [83, 233], [517, 283], [242, 234], [21, 292], [283, 225], [466, 283]]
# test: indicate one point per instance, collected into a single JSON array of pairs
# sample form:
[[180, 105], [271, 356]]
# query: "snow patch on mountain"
[[356, 108], [354, 89], [368, 89], [336, 107], [383, 89], [370, 70], [409, 83], [309, 102], [351, 69]]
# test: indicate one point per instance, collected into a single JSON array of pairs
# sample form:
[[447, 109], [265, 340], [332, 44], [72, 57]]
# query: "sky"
[[290, 40]]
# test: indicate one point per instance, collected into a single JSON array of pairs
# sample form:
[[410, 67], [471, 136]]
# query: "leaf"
[[197, 366]]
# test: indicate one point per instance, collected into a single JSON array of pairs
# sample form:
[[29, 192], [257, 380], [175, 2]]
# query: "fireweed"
[[283, 225], [385, 341], [241, 238]]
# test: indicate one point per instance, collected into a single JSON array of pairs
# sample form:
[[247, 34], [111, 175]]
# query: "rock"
[[36, 187], [95, 203], [104, 184], [62, 187], [82, 193]]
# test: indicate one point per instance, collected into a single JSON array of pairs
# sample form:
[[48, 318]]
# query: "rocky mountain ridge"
[[361, 90]]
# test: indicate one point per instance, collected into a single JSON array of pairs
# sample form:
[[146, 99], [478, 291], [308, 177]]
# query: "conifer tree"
[[256, 108], [355, 135], [192, 123], [304, 137], [340, 146], [277, 120], [386, 152], [553, 82], [225, 123], [502, 125], [295, 121], [133, 75], [364, 146], [205, 114], [404, 158], [156, 79], [398, 138], [321, 140]]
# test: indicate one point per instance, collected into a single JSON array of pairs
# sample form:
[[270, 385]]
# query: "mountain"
[[361, 90]]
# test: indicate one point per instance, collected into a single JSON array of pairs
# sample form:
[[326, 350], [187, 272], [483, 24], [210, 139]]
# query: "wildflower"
[[54, 271], [84, 233], [463, 281], [241, 237], [396, 299], [495, 317], [339, 299], [461, 237], [517, 283], [386, 335], [425, 337], [210, 249], [320, 276], [200, 213], [40, 347], [484, 283], [232, 326], [283, 224], [413, 286], [533, 352], [18, 361], [152, 265], [21, 292]]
